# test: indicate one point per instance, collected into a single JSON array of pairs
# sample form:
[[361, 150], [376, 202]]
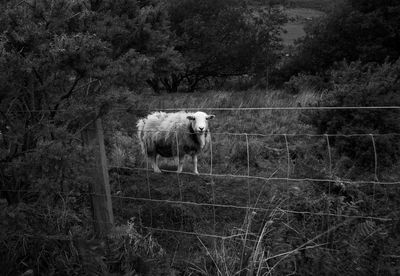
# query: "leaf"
[[366, 228]]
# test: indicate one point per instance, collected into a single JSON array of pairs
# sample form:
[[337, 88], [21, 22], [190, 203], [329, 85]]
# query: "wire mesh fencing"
[[268, 195]]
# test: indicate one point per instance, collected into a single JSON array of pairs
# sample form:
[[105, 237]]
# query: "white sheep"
[[160, 132]]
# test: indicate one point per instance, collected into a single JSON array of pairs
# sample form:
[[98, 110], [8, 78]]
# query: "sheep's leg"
[[154, 163], [180, 163], [194, 158]]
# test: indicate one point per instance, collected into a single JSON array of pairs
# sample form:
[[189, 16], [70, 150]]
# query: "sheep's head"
[[199, 123]]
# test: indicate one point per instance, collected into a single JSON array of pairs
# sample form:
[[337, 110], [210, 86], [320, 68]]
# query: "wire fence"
[[247, 176], [253, 202], [271, 108]]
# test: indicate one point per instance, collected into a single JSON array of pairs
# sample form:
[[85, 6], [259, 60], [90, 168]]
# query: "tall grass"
[[273, 242]]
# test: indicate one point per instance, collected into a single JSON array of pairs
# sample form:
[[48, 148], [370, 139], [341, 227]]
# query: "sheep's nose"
[[201, 128]]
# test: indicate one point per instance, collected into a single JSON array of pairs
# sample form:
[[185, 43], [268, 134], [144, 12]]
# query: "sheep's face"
[[199, 122]]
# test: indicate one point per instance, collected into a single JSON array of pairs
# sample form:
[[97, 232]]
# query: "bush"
[[360, 85], [303, 82], [123, 151], [52, 240], [220, 39], [365, 30]]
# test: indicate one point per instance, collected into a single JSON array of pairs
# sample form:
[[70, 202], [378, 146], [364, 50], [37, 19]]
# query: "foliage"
[[54, 241], [64, 62], [322, 5], [223, 38], [123, 151], [364, 30], [303, 82], [360, 85]]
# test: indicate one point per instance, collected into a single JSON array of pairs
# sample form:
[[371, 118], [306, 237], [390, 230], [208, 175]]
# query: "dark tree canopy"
[[61, 60], [364, 30], [219, 38]]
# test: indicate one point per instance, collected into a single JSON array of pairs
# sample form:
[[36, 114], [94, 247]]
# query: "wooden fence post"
[[100, 185]]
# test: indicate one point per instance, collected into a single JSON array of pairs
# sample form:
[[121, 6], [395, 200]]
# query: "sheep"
[[160, 132]]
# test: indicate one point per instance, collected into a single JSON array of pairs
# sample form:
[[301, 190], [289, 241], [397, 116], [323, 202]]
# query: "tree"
[[222, 38], [363, 30], [63, 62], [356, 84]]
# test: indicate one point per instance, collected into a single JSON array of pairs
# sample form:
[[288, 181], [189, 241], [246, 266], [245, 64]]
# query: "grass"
[[260, 235], [267, 157]]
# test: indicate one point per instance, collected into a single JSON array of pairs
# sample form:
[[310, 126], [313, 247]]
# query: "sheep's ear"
[[192, 118], [209, 117]]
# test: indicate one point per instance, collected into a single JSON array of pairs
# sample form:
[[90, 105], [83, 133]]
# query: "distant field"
[[298, 17], [302, 11], [293, 31], [320, 5]]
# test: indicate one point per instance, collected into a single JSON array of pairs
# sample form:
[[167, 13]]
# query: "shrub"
[[303, 82], [33, 241], [123, 150], [220, 39], [361, 85], [365, 30]]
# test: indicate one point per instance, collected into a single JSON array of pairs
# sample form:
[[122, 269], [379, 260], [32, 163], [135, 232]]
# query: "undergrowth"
[[276, 227]]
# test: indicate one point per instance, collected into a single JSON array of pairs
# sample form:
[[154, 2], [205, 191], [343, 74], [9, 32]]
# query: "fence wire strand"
[[249, 208], [273, 178], [288, 179], [198, 204], [235, 109]]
